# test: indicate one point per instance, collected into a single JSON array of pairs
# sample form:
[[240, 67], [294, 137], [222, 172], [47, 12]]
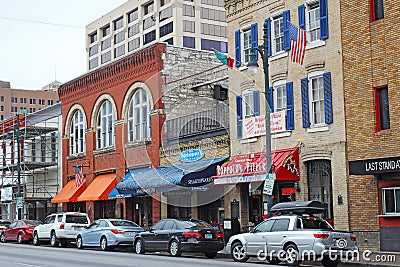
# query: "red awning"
[[252, 167]]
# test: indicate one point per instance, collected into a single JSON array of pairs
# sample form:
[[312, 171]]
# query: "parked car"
[[108, 234], [3, 225], [293, 235], [60, 228], [177, 236], [20, 231]]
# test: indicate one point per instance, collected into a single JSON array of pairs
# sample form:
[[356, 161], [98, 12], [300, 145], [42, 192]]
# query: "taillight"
[[219, 236], [117, 232], [191, 235], [322, 236], [353, 238], [62, 226]]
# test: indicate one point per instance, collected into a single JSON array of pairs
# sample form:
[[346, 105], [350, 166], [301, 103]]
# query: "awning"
[[99, 189], [70, 192], [252, 167], [186, 174], [115, 194]]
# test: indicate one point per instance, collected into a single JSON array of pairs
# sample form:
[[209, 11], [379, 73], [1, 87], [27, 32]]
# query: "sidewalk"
[[366, 259]]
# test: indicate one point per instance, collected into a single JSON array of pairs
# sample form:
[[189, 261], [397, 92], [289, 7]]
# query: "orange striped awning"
[[100, 187], [70, 192]]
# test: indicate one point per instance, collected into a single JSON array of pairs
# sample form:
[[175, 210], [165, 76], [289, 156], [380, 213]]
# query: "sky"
[[44, 40]]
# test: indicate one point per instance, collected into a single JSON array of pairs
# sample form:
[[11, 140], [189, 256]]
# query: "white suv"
[[60, 228]]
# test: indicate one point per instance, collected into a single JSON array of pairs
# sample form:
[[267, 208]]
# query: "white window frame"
[[105, 127], [280, 100], [313, 24], [316, 103], [245, 45], [248, 103], [278, 18], [384, 212], [77, 134], [139, 123]]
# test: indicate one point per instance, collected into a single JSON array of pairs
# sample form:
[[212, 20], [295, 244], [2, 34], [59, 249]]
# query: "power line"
[[42, 22]]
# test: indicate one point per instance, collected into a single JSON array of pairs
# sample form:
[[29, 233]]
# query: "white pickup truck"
[[292, 237]]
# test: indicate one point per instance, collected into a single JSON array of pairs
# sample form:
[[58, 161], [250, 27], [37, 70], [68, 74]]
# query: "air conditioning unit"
[[220, 92]]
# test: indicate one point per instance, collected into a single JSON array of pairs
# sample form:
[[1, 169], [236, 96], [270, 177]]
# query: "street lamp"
[[252, 68]]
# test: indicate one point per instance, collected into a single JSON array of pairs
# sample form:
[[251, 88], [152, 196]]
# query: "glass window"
[[76, 219], [124, 223], [77, 134], [166, 13], [134, 44], [148, 8], [377, 9], [158, 226], [188, 10], [207, 44], [93, 63], [106, 43], [164, 2], [316, 94], [119, 37], [134, 29], [169, 225], [188, 26], [118, 23], [93, 37], [189, 41], [264, 226], [280, 97], [94, 225], [391, 200], [93, 50], [313, 23], [149, 37], [277, 34], [105, 30], [139, 117], [280, 225], [248, 104], [50, 219], [103, 223], [105, 126], [247, 50], [382, 109], [166, 29], [133, 15], [119, 51], [106, 57]]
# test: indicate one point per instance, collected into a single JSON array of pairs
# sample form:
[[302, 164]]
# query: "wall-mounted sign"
[[191, 155], [375, 166], [255, 126], [6, 193]]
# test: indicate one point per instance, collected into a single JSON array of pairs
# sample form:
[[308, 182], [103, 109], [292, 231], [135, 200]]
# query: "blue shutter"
[[256, 103], [328, 98], [237, 48], [286, 38], [267, 23], [239, 116], [323, 13], [304, 103], [302, 16], [289, 107], [271, 99], [254, 38]]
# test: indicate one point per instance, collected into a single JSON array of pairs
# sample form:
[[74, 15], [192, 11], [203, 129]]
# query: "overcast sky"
[[44, 40]]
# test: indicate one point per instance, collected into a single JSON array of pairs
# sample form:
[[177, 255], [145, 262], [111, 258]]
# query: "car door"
[[9, 232], [89, 235], [163, 236], [44, 230], [277, 236], [15, 230], [256, 242], [150, 236]]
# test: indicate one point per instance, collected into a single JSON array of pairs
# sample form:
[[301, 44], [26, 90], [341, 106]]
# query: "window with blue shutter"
[[302, 16], [289, 107], [267, 23], [254, 38], [237, 49], [256, 103], [286, 38], [304, 103], [323, 12], [239, 116], [271, 99], [328, 98]]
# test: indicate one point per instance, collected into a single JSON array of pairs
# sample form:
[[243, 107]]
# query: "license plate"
[[129, 233], [208, 236]]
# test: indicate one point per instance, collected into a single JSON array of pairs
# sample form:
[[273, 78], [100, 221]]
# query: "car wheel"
[[79, 242], [36, 241], [328, 262], [3, 238], [292, 256], [54, 240], [104, 244], [174, 248], [211, 255], [139, 247], [20, 239], [238, 252]]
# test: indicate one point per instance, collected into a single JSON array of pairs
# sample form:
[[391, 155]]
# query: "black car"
[[177, 236]]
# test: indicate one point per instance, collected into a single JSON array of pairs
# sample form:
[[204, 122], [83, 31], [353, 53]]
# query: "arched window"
[[105, 126], [77, 134], [139, 117]]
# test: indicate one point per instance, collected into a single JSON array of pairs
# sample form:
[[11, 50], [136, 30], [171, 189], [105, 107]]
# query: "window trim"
[[310, 76], [307, 12], [378, 108], [76, 146], [274, 19], [131, 119], [384, 201], [372, 11], [102, 140], [275, 94]]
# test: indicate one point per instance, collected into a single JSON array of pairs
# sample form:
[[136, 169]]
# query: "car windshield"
[[33, 223], [194, 224], [124, 223], [76, 219], [315, 224]]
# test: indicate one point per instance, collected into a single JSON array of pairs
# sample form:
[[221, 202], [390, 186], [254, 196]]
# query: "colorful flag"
[[79, 175], [298, 43], [225, 59]]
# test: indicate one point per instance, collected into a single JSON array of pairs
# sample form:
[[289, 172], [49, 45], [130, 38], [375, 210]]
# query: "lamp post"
[[252, 67], [19, 197]]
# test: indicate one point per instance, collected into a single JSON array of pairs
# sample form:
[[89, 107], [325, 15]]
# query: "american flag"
[[297, 43], [79, 175]]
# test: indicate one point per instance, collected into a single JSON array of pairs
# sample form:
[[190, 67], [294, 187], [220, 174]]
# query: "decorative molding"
[[308, 154], [279, 76], [247, 85], [315, 66], [245, 21], [236, 7], [274, 6]]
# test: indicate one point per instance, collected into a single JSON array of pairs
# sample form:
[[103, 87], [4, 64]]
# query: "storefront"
[[387, 174], [248, 172]]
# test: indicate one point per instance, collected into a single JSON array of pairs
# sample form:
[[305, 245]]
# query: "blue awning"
[[186, 174], [115, 194]]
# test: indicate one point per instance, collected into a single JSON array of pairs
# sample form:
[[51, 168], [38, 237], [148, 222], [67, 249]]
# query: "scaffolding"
[[37, 169]]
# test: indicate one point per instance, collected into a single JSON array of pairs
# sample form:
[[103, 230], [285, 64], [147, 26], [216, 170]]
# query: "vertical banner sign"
[[269, 183]]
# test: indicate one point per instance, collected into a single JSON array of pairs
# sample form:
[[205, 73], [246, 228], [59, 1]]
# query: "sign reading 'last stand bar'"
[[375, 166]]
